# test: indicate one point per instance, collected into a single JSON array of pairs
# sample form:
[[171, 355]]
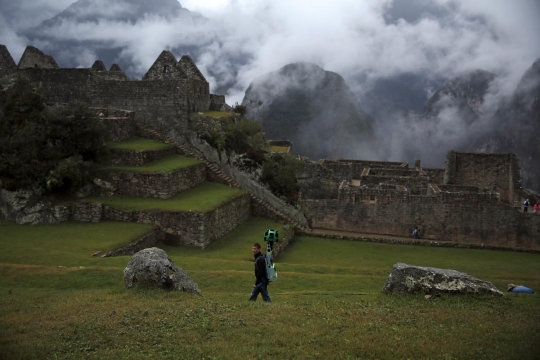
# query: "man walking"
[[261, 281]]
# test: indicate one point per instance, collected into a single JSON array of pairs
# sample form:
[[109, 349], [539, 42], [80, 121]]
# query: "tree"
[[52, 148]]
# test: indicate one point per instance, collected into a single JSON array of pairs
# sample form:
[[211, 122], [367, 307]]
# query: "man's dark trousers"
[[262, 289]]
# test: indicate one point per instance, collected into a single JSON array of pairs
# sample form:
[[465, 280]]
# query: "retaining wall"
[[158, 185], [464, 218]]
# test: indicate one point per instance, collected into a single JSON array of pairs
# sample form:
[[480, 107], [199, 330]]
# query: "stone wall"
[[498, 171], [210, 124], [418, 182], [7, 64], [467, 218], [436, 176], [120, 128], [122, 157], [35, 58], [189, 228], [86, 212], [161, 102], [393, 172], [247, 181], [217, 102], [144, 242], [417, 242], [460, 189], [158, 185]]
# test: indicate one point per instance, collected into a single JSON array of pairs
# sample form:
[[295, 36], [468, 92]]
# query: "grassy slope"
[[167, 164], [327, 301], [217, 114], [138, 144], [278, 149], [203, 198]]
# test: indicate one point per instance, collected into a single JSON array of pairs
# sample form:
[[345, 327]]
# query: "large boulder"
[[410, 279], [152, 267]]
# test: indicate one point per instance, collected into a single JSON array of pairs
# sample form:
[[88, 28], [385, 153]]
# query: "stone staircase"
[[146, 131], [157, 191]]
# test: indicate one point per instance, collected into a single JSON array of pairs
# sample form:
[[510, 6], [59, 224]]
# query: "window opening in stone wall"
[[372, 199], [165, 69]]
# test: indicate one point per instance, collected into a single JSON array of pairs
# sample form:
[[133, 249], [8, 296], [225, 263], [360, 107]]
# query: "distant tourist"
[[416, 233], [261, 281], [537, 208], [519, 289], [525, 205]]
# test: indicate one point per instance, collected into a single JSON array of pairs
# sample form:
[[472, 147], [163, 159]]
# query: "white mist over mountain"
[[366, 42]]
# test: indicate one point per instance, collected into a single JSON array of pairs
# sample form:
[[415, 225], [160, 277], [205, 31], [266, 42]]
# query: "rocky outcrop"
[[313, 108], [152, 267], [465, 93], [410, 279], [29, 207], [517, 125]]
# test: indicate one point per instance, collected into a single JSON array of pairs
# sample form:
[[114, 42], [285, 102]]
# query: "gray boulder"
[[152, 267], [410, 279]]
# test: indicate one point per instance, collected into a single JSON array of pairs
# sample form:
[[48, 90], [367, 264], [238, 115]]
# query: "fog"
[[364, 41]]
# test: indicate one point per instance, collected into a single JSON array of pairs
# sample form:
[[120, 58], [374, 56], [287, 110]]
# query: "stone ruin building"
[[476, 198], [163, 99]]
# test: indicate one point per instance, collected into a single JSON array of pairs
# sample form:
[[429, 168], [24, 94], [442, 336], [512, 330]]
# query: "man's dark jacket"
[[260, 268]]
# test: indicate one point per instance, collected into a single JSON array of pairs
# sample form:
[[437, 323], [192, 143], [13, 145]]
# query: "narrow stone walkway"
[[217, 172]]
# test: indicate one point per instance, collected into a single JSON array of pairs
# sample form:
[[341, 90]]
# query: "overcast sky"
[[361, 40], [369, 38]]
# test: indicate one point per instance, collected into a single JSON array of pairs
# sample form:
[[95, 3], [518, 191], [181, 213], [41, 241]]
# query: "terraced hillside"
[[149, 183]]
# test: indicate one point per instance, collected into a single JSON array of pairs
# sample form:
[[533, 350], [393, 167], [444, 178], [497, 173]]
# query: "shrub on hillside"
[[52, 148], [242, 137], [279, 173], [239, 109]]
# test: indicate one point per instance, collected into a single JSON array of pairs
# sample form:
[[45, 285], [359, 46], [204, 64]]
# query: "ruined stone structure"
[[473, 200], [470, 201], [163, 99]]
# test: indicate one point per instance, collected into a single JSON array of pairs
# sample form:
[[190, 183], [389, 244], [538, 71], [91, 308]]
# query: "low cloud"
[[362, 41]]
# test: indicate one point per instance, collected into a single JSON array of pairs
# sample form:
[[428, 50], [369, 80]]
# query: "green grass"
[[327, 302], [138, 144], [217, 114], [202, 198], [278, 149], [165, 165]]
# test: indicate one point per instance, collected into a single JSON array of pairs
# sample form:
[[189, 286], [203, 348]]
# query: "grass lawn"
[[138, 144], [202, 198], [278, 149], [217, 114], [327, 302], [165, 165]]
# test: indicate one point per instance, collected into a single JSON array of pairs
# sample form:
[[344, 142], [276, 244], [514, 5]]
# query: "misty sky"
[[361, 40], [372, 38]]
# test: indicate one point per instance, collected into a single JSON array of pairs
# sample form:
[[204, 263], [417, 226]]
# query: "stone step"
[[216, 170], [195, 217], [161, 179], [138, 151]]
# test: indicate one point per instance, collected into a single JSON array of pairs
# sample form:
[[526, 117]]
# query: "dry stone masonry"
[[472, 203]]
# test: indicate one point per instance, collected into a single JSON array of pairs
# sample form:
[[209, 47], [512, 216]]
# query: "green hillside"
[[60, 302]]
